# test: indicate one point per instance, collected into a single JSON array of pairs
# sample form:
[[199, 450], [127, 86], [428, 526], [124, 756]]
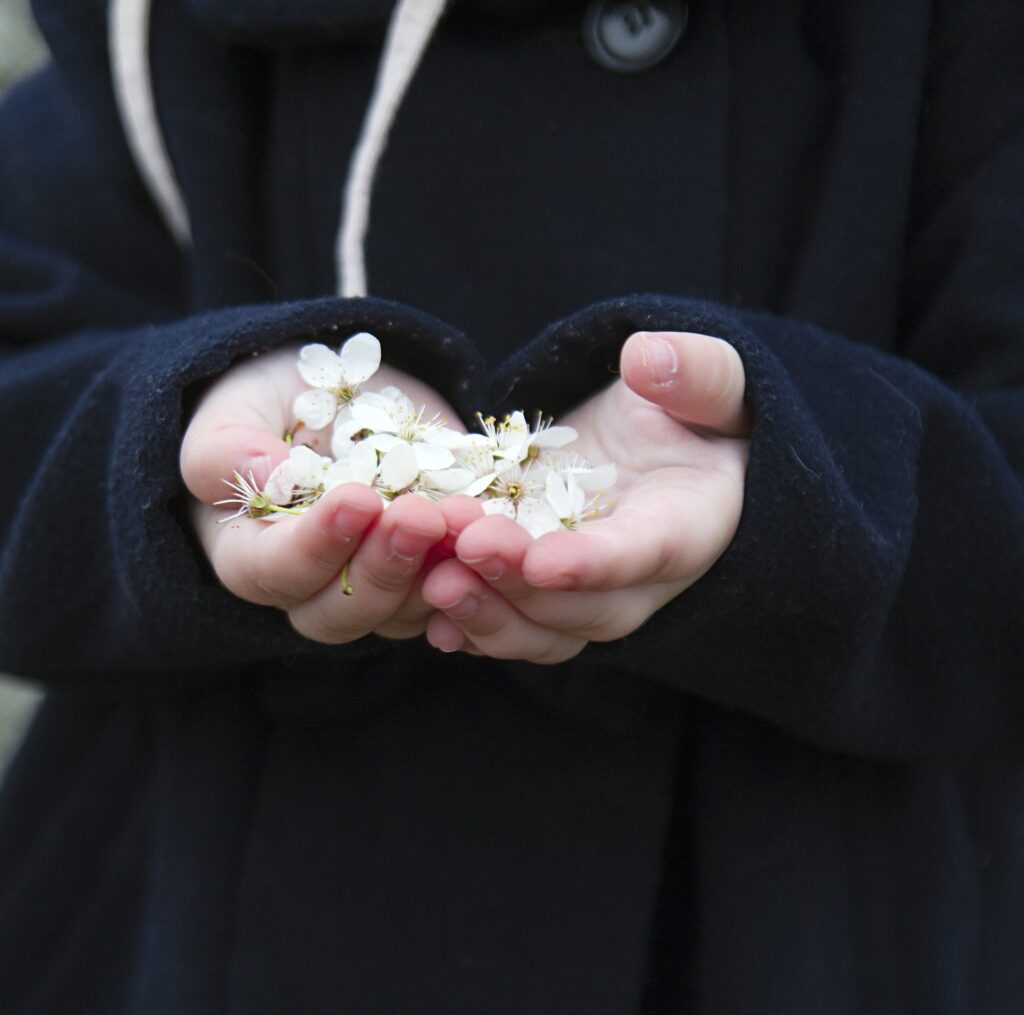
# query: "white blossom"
[[381, 439], [398, 472], [518, 493], [358, 465], [390, 418], [302, 478], [593, 479], [334, 377], [514, 440], [251, 501]]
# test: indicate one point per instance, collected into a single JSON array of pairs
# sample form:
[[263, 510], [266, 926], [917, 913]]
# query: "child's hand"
[[295, 564], [677, 437]]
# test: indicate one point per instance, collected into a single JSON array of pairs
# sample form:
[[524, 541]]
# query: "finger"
[[399, 629], [239, 424], [591, 615], [212, 457], [697, 379], [382, 573], [494, 547], [671, 526], [410, 619], [283, 563], [490, 621], [445, 635], [459, 513]]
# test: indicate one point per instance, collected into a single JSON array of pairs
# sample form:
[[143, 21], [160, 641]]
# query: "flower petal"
[[306, 466], [315, 408], [399, 468], [341, 438], [558, 495], [280, 485], [360, 357], [373, 417], [537, 517], [554, 437], [383, 442], [513, 447], [449, 481], [517, 422], [358, 466], [603, 477], [477, 488], [431, 456], [499, 506], [320, 367], [448, 438]]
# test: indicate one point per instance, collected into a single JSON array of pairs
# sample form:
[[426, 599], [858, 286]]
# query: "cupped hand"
[[295, 564], [675, 426]]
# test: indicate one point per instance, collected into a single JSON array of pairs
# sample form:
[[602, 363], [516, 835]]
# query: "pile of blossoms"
[[381, 439]]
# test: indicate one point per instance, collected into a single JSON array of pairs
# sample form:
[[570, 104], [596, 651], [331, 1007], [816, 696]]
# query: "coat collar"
[[277, 21]]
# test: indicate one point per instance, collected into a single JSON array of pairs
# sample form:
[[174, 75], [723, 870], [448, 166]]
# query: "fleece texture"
[[798, 788]]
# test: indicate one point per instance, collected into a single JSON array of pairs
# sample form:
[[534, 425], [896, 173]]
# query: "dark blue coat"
[[798, 789]]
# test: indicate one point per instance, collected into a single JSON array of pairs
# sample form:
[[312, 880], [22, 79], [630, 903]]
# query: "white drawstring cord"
[[412, 25], [128, 41]]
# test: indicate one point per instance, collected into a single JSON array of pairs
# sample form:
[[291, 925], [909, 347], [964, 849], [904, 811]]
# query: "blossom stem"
[[289, 434], [345, 587]]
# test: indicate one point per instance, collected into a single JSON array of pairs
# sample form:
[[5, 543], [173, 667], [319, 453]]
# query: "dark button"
[[632, 35]]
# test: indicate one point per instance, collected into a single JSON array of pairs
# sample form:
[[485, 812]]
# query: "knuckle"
[[321, 625], [592, 623], [229, 570], [725, 381], [668, 559], [396, 577], [626, 621], [507, 651], [560, 651], [322, 555], [269, 589], [517, 593], [401, 630], [247, 577]]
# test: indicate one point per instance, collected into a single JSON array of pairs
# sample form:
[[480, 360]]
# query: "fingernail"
[[408, 546], [258, 466], [463, 609], [350, 522], [491, 568], [556, 581], [660, 358]]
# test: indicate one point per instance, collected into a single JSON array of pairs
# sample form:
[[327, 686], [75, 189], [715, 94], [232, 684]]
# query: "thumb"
[[696, 379], [211, 455], [239, 423]]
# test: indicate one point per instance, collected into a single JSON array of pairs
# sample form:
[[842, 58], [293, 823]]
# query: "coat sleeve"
[[101, 582], [872, 598]]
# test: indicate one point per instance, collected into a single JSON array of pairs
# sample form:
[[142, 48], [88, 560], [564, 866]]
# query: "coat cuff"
[[147, 610], [779, 626]]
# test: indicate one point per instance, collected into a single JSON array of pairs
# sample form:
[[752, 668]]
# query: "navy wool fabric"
[[798, 788]]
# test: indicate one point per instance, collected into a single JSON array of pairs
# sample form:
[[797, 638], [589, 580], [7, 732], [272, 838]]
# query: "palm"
[[675, 508], [670, 476]]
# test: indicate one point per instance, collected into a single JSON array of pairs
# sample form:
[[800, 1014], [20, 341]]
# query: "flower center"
[[344, 392]]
